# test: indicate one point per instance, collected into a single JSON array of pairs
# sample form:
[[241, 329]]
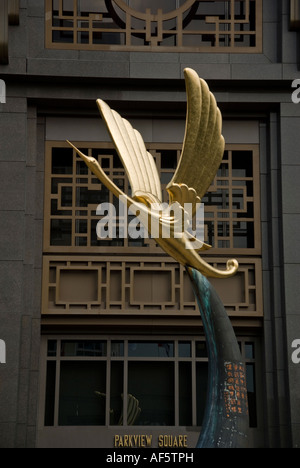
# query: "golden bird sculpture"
[[201, 156]]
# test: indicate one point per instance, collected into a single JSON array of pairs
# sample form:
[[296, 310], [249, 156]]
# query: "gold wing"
[[203, 146], [137, 161]]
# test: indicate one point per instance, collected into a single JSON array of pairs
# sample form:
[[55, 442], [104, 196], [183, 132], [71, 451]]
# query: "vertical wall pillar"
[[290, 169], [21, 200]]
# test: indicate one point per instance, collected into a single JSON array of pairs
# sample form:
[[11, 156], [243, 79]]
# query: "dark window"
[[155, 371]]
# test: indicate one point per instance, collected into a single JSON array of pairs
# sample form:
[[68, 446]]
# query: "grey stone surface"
[[290, 189], [12, 186], [292, 290], [291, 238], [12, 132], [290, 140]]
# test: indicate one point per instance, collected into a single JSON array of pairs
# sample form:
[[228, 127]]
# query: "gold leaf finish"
[[202, 154]]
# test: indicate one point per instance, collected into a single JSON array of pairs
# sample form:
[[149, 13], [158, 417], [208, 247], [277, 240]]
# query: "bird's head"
[[97, 170], [91, 162]]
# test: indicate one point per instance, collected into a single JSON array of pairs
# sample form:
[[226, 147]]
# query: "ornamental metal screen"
[[187, 25], [85, 275], [231, 205]]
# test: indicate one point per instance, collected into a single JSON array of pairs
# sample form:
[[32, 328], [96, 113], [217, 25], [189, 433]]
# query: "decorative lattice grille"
[[213, 26], [232, 213], [104, 286]]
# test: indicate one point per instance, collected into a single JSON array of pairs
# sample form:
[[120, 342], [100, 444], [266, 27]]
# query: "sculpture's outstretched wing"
[[138, 163], [203, 146]]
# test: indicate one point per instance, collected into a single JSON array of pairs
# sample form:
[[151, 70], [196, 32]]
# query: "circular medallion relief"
[[169, 8]]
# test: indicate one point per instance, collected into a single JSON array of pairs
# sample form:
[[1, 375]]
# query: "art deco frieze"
[[103, 286]]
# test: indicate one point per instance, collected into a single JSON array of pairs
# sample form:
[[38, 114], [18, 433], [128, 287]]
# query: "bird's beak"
[[85, 158]]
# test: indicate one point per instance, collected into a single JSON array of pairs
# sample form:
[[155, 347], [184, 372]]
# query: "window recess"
[[114, 382]]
